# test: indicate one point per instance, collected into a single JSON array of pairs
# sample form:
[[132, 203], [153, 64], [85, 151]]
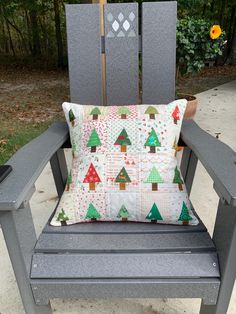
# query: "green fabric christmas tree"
[[184, 216], [94, 141], [123, 140], [154, 178], [69, 181], [152, 141], [123, 112], [152, 111], [62, 217], [92, 213], [154, 214], [123, 213], [123, 178], [95, 112], [177, 179], [72, 117]]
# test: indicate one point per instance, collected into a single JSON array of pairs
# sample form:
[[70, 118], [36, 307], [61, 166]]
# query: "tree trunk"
[[123, 148], [154, 187], [152, 116], [93, 149], [63, 223], [92, 186], [60, 62], [29, 35], [204, 9], [22, 38], [124, 219], [4, 36], [10, 39], [212, 5], [233, 51], [153, 221], [231, 38], [221, 13], [152, 149], [185, 223], [180, 186], [123, 116], [36, 47], [122, 186]]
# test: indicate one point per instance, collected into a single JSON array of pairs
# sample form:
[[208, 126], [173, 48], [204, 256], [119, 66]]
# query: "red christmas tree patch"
[[92, 177]]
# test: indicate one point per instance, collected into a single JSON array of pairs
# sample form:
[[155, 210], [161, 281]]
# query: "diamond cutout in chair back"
[[115, 25], [126, 25]]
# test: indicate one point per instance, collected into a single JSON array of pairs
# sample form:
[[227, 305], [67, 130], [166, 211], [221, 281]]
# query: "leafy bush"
[[194, 44]]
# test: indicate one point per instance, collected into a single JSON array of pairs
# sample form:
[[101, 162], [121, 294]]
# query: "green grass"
[[16, 134]]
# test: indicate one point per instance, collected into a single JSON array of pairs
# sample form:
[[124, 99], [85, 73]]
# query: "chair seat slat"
[[91, 243], [125, 265], [204, 288]]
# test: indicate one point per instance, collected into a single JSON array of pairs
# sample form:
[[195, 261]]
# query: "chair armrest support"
[[28, 162], [218, 159]]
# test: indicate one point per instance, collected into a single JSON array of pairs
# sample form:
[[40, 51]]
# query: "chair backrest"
[[124, 50]]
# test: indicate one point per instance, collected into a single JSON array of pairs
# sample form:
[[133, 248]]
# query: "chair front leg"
[[19, 252], [224, 238]]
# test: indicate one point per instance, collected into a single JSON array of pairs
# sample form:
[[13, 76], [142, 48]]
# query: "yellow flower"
[[215, 31]]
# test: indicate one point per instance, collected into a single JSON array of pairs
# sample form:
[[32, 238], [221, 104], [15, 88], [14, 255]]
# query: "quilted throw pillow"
[[124, 166]]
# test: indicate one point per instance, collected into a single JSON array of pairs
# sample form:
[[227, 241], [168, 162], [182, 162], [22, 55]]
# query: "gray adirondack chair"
[[112, 259]]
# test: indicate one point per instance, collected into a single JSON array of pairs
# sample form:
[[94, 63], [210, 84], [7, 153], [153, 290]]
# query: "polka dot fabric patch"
[[124, 166]]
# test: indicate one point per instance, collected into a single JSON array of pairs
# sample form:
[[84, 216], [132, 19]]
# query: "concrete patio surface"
[[216, 114]]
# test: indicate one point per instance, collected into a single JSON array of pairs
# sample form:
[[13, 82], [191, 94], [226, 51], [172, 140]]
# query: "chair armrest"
[[218, 159], [28, 162]]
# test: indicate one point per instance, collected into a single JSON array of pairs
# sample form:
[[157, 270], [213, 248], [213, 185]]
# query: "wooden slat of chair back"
[[84, 53], [158, 52], [121, 50], [121, 47]]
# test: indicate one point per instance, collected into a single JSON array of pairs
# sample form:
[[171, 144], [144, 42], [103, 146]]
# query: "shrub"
[[194, 44]]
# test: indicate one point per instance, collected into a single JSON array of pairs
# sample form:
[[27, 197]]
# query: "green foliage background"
[[34, 32]]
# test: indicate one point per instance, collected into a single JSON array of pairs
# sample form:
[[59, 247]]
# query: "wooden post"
[[103, 59]]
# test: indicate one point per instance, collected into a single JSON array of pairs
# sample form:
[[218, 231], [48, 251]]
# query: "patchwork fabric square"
[[122, 136], [124, 166]]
